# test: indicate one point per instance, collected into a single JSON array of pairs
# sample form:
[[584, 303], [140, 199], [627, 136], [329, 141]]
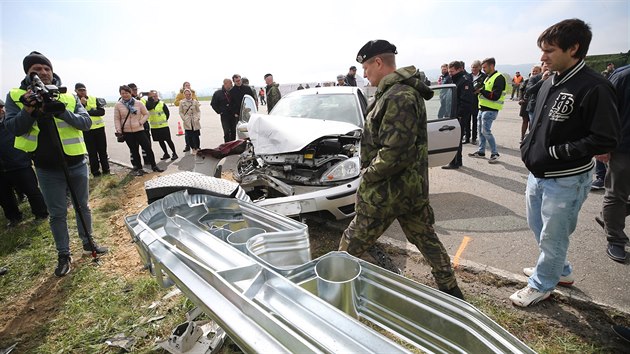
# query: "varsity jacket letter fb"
[[562, 108]]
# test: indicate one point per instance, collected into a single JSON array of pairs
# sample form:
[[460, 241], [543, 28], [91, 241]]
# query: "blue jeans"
[[485, 119], [55, 191], [553, 205]]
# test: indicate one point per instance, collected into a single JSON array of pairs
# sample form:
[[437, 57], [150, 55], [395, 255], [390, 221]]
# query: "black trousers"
[[25, 180], [228, 122], [96, 143], [466, 123], [139, 139], [193, 138], [457, 160]]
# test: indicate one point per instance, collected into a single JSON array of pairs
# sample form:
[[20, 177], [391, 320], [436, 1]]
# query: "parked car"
[[303, 157]]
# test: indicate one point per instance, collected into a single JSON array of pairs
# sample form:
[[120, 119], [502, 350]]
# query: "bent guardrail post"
[[271, 297]]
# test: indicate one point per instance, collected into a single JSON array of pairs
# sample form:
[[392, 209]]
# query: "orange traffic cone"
[[179, 129]]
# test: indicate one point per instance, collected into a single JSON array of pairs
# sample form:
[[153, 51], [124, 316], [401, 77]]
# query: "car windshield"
[[337, 107]]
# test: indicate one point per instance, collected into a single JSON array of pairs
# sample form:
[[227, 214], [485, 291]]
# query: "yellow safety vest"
[[97, 122], [71, 137], [157, 117], [488, 84]]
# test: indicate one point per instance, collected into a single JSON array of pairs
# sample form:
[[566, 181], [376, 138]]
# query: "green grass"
[[77, 313]]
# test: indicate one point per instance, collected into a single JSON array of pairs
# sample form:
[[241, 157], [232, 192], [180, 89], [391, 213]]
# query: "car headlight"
[[347, 169]]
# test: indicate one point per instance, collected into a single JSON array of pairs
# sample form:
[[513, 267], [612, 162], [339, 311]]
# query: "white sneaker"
[[567, 280], [528, 296]]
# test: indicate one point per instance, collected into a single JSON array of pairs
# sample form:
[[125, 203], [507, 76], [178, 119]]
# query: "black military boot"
[[456, 291]]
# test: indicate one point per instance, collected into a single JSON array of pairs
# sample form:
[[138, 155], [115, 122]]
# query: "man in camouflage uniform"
[[273, 92], [394, 162]]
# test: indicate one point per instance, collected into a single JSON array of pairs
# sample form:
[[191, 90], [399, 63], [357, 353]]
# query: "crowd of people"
[[55, 134], [571, 115]]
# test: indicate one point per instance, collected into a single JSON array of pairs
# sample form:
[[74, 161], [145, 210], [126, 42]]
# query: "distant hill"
[[599, 62]]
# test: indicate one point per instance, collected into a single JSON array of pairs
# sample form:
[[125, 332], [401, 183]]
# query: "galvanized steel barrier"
[[250, 270]]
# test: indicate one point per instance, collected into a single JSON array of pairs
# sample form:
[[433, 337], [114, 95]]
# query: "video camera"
[[477, 85], [47, 96]]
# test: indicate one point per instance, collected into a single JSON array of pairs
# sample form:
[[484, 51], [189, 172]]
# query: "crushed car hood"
[[278, 134]]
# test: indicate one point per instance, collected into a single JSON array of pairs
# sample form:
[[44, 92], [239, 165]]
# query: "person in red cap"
[[394, 163], [38, 126]]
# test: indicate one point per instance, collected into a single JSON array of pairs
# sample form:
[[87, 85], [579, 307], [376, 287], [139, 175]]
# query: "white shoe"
[[565, 280], [528, 296]]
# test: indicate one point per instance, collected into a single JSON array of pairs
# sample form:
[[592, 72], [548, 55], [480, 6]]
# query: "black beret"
[[35, 58], [375, 47], [79, 85]]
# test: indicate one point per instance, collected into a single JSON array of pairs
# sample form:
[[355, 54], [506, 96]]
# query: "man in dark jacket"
[[351, 79], [477, 77], [16, 171], [236, 93], [253, 93], [617, 181], [575, 119], [394, 160], [464, 105], [221, 103], [95, 138]]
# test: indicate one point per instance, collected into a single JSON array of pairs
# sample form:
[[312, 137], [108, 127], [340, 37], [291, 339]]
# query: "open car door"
[[248, 107], [443, 128]]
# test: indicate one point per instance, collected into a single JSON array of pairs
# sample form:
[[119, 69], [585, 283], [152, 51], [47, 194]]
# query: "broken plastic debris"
[[120, 341], [195, 337]]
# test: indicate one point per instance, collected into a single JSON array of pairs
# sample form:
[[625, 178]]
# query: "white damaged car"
[[303, 157]]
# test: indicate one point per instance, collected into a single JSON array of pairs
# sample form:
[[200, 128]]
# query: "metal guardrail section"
[[270, 297]]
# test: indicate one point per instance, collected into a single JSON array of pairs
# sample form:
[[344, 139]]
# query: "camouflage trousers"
[[364, 230]]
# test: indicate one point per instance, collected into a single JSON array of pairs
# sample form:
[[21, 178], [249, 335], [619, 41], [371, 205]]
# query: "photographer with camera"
[[49, 123]]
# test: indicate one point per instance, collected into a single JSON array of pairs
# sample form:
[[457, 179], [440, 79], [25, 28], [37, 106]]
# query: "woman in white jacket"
[[191, 116]]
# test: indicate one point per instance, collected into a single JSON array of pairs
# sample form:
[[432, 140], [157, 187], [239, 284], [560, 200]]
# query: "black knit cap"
[[35, 58], [375, 47], [79, 85]]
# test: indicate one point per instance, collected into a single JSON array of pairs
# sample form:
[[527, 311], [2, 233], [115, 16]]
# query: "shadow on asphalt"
[[502, 182], [464, 212]]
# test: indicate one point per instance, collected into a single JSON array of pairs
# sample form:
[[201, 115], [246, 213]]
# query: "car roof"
[[327, 90]]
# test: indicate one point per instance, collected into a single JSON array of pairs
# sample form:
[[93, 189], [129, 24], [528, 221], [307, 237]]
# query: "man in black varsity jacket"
[[575, 118]]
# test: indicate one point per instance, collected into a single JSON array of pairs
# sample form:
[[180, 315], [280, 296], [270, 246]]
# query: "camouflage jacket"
[[394, 152], [273, 96]]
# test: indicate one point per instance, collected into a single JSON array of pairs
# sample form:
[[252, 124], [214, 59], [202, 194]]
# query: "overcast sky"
[[160, 44]]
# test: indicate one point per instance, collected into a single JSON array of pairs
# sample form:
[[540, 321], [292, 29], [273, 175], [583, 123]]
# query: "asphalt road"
[[480, 211]]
